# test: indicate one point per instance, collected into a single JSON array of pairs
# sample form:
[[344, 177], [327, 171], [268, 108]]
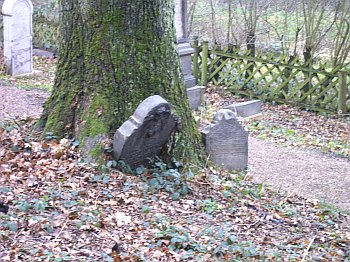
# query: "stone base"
[[185, 51], [246, 109], [43, 53], [195, 96], [32, 74], [255, 117]]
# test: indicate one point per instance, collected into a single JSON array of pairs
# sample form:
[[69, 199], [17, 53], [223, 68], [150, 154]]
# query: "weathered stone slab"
[[43, 53], [145, 133], [185, 51], [18, 36], [246, 109], [195, 96], [226, 141]]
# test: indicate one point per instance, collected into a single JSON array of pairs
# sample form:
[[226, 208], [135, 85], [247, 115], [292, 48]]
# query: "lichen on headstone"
[[226, 141]]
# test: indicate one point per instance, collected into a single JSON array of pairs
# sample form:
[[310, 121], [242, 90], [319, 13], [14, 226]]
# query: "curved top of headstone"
[[7, 7], [226, 141], [143, 109], [221, 117], [224, 114]]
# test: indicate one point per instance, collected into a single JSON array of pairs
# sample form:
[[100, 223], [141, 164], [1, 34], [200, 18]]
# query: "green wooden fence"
[[45, 33], [284, 79]]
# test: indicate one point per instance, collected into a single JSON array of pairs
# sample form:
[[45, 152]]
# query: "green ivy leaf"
[[231, 239], [175, 196]]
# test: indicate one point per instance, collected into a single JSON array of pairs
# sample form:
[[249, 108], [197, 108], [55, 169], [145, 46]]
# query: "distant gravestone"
[[145, 133], [18, 36], [194, 92], [226, 141], [246, 109], [195, 96]]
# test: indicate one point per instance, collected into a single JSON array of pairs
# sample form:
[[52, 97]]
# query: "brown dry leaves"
[[62, 209]]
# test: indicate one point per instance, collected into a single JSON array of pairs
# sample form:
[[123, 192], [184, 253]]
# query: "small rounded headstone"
[[226, 141]]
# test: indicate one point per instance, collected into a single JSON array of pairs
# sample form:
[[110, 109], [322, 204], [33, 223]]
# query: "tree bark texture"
[[114, 54]]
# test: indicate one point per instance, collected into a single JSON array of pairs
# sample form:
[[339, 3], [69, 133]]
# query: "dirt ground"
[[16, 102]]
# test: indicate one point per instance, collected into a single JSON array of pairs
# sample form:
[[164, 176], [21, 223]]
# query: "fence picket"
[[284, 79]]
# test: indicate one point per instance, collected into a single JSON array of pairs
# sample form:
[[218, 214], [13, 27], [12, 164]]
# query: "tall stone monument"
[[184, 47], [185, 51], [18, 36]]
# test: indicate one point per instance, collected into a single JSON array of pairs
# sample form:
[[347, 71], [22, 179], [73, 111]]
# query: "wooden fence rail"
[[45, 33], [283, 79]]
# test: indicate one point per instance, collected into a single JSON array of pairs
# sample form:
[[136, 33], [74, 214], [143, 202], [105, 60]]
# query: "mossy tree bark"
[[114, 54]]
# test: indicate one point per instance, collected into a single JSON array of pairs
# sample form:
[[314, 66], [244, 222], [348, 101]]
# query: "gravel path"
[[305, 172], [16, 102]]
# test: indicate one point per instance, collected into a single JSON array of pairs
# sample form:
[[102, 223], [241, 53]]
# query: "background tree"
[[283, 25], [230, 23], [192, 4], [341, 44], [249, 15], [213, 5], [114, 54], [315, 13]]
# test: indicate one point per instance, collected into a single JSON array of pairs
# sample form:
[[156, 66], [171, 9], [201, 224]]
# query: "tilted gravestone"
[[18, 36], [226, 141], [145, 133]]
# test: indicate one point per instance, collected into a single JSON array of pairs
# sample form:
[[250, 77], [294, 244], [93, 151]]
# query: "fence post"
[[342, 93], [205, 53], [195, 70], [218, 63]]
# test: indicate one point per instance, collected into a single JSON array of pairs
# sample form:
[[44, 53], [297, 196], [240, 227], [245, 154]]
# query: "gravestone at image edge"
[[17, 20]]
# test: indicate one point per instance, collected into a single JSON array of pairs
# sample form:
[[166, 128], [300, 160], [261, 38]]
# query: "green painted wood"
[[195, 45], [45, 33], [282, 79], [297, 65], [342, 93], [218, 69], [205, 53]]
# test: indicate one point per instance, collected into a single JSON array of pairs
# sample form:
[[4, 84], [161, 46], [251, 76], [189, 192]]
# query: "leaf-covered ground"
[[42, 77], [54, 207]]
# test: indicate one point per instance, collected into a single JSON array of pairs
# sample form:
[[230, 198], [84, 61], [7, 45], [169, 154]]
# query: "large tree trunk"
[[114, 54]]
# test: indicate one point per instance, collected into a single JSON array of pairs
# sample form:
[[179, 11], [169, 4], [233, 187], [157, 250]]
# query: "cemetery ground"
[[54, 207]]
